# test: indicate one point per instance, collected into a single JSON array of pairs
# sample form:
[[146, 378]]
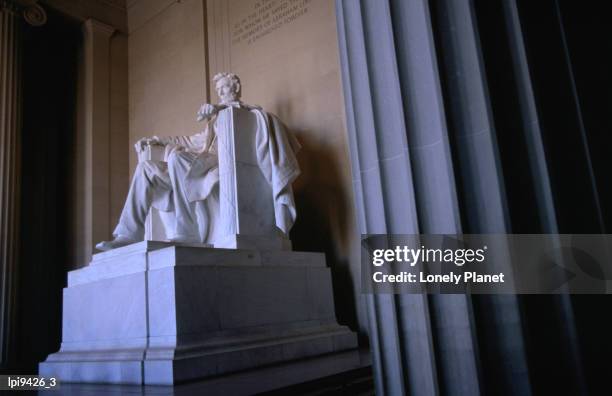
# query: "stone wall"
[[167, 79]]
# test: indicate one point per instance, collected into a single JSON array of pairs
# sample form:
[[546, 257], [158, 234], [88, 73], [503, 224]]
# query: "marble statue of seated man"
[[188, 180]]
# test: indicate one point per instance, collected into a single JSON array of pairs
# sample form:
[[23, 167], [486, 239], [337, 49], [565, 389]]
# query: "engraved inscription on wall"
[[265, 17]]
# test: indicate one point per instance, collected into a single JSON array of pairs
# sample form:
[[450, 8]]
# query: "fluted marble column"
[[96, 45], [10, 114]]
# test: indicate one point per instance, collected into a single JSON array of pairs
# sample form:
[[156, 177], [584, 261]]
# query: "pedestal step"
[[160, 313]]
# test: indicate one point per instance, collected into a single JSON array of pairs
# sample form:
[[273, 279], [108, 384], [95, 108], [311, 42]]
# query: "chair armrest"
[[152, 153]]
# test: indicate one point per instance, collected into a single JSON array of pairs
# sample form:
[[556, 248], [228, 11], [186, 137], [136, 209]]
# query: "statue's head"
[[227, 86]]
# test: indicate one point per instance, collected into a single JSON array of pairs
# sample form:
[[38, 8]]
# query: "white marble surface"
[[121, 261], [269, 241], [111, 372], [140, 247], [158, 225], [246, 200], [187, 255], [245, 152], [112, 309], [186, 312], [247, 382]]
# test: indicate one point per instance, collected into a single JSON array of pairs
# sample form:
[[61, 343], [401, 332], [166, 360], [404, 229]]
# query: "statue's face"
[[227, 91]]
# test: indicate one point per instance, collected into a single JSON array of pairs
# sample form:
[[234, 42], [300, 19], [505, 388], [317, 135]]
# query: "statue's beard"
[[229, 98]]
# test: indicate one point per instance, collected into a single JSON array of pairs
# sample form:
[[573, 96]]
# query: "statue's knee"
[[145, 168], [175, 159], [141, 167]]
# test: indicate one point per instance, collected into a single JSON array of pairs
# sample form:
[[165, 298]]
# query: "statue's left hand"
[[148, 141]]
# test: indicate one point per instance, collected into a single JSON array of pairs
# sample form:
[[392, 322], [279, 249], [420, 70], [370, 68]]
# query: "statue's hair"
[[234, 79]]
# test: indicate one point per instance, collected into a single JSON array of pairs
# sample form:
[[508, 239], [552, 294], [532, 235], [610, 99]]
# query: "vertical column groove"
[[10, 120]]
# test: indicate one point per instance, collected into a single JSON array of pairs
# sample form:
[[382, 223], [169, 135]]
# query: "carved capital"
[[35, 15], [31, 11]]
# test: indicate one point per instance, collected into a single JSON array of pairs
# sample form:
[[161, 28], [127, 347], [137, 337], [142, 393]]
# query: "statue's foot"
[[119, 241]]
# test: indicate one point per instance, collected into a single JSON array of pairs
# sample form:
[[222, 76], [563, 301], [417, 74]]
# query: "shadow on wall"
[[322, 220]]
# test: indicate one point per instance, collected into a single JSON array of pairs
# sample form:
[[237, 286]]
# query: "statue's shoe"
[[115, 243]]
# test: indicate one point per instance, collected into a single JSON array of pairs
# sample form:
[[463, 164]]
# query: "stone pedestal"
[[245, 196], [162, 313]]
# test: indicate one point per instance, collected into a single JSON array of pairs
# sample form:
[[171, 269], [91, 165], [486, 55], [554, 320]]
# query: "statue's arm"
[[142, 143], [208, 111], [195, 142], [199, 141]]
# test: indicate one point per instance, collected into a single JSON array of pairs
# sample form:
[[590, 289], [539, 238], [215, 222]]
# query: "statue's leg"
[[150, 183], [179, 163], [208, 217]]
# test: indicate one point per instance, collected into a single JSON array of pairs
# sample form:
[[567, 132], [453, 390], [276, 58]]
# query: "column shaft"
[[9, 168], [97, 37]]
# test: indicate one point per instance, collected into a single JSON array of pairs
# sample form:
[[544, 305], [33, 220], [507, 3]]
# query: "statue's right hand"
[[207, 110]]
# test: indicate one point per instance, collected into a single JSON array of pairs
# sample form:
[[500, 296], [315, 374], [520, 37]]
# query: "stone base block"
[[242, 383], [161, 313], [254, 242]]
